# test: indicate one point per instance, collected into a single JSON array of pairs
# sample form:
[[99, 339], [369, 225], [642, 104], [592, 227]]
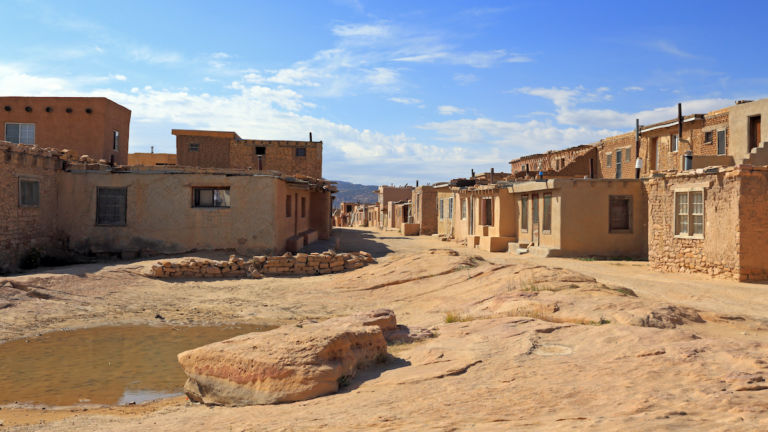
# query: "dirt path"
[[539, 344]]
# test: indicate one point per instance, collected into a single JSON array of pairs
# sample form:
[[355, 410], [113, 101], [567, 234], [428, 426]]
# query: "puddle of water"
[[103, 365]]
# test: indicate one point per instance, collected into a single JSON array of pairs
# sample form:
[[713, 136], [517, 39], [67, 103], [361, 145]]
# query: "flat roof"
[[205, 133]]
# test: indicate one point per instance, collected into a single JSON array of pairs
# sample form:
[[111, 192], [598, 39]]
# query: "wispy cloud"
[[669, 48], [464, 78], [449, 110], [119, 77], [476, 59], [361, 30], [633, 89], [405, 100], [149, 55]]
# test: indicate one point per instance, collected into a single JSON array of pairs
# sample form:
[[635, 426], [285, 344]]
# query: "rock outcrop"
[[287, 364]]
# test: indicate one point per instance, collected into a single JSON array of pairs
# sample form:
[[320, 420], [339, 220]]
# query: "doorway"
[[754, 132]]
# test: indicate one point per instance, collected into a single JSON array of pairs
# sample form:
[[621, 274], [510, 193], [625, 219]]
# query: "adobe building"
[[92, 126], [212, 149], [581, 217], [486, 217], [59, 205], [445, 202], [577, 162], [710, 221], [424, 199], [386, 196], [151, 159]]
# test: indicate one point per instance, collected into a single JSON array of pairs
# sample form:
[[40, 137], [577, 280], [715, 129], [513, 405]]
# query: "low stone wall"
[[260, 266]]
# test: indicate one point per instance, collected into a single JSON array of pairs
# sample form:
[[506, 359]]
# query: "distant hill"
[[352, 192]]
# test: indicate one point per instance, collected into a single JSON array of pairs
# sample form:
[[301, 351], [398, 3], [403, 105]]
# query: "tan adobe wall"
[[717, 253], [444, 225], [151, 159], [753, 224], [554, 160], [610, 146], [712, 123], [531, 233], [24, 228], [78, 130], [394, 193], [738, 117], [279, 156], [213, 151], [425, 209]]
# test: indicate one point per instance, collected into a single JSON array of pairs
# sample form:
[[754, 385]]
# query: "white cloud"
[[633, 89], [361, 30], [119, 77], [149, 55], [405, 100], [449, 110], [669, 48], [476, 59], [464, 78], [382, 76], [220, 55]]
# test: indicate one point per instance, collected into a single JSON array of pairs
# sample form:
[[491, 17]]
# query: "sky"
[[398, 91]]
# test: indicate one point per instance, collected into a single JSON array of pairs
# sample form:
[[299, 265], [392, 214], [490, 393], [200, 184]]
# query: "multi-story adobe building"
[[212, 149], [92, 126]]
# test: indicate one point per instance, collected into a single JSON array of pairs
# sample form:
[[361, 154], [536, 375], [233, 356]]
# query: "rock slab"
[[287, 364]]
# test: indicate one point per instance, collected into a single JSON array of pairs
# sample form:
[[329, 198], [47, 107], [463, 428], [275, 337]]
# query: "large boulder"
[[287, 364]]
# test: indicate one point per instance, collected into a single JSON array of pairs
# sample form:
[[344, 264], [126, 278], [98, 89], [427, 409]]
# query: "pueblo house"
[[92, 126], [211, 149]]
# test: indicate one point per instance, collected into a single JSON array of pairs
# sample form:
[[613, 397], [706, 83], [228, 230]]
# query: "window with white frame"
[[673, 143], [440, 209], [20, 133], [689, 213]]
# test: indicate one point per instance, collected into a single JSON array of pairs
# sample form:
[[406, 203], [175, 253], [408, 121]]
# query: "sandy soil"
[[532, 344]]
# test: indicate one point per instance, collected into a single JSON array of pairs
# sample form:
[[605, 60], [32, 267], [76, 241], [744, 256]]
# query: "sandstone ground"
[[522, 343]]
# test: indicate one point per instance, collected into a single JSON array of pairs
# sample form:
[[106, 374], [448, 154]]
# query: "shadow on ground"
[[350, 240], [374, 371]]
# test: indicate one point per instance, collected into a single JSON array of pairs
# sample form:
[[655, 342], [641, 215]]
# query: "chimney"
[[491, 179], [310, 137], [152, 150], [417, 183], [473, 174], [679, 122]]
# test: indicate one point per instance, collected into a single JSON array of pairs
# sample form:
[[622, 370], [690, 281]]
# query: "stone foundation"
[[260, 266]]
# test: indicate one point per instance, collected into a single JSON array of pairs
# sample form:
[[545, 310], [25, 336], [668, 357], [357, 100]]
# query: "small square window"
[[261, 150], [211, 197], [708, 137], [29, 193], [193, 147], [301, 151], [111, 206]]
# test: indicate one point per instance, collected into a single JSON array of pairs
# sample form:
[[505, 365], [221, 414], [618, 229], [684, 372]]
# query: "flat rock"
[[286, 364]]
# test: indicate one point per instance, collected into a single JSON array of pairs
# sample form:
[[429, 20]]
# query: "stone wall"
[[717, 252], [279, 156], [753, 223], [25, 229], [259, 266]]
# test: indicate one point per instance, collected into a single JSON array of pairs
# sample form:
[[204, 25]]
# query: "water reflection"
[[104, 365]]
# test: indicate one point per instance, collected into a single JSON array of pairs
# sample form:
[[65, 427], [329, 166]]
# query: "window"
[[464, 209], [261, 150], [628, 154], [673, 143], [450, 208], [524, 213], [301, 151], [488, 211], [608, 158], [721, 142], [193, 147], [29, 193], [110, 206], [618, 163], [689, 213], [303, 207], [20, 133], [708, 137], [211, 197], [115, 140], [287, 206], [619, 213], [440, 208], [547, 223]]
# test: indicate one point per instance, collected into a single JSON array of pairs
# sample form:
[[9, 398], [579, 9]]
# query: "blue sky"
[[397, 90]]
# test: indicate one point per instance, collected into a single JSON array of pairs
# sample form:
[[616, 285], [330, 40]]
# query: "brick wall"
[[609, 148], [212, 151], [279, 156], [25, 228]]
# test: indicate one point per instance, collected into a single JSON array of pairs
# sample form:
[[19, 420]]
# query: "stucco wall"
[[279, 156], [160, 216], [738, 116], [753, 224], [23, 228], [82, 132], [151, 159], [425, 209]]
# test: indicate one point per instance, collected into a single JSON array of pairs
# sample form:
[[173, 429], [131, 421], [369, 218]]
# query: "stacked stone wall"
[[717, 252], [260, 266], [279, 156], [27, 232]]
